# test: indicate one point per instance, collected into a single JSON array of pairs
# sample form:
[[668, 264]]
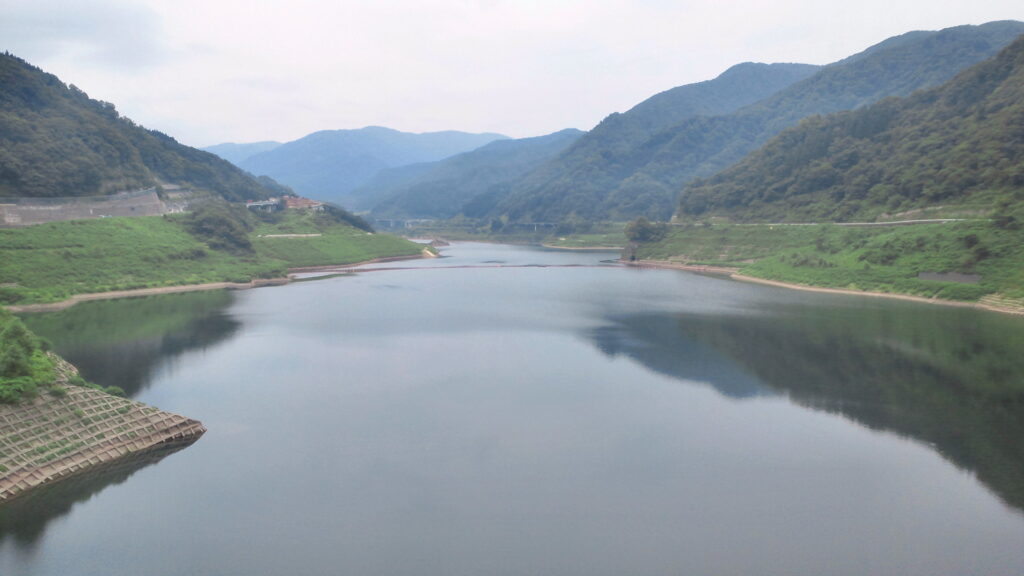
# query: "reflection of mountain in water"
[[952, 378], [123, 342], [657, 343], [24, 520]]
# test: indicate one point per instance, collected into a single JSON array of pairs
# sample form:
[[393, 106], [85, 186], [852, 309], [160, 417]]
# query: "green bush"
[[222, 227], [14, 362], [643, 230]]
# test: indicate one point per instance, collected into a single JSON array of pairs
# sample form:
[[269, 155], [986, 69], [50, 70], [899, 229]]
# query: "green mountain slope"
[[328, 165], [386, 183], [608, 153], [649, 175], [475, 176], [55, 141], [961, 144]]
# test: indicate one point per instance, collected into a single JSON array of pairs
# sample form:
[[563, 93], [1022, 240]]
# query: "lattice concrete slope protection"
[[51, 438], [29, 211]]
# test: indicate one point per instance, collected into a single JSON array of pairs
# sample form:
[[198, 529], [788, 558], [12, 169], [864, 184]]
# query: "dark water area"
[[545, 413], [125, 343]]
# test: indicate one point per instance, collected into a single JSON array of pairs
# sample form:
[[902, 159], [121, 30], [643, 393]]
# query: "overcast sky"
[[211, 71]]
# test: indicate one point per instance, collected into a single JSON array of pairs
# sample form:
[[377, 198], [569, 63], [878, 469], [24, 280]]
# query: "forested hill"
[[56, 141], [329, 164], [607, 154], [648, 175], [475, 178], [961, 144]]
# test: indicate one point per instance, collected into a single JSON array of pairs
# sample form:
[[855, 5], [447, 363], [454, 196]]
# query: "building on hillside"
[[271, 205], [295, 202]]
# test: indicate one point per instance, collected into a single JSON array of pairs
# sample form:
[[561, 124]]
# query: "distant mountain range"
[[636, 163], [55, 141], [238, 153], [960, 144], [330, 164], [579, 180], [464, 183]]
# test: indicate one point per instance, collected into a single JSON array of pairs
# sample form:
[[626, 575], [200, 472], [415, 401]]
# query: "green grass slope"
[[878, 259], [51, 262]]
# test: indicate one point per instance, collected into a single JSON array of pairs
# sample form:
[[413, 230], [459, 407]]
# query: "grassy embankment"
[[876, 259], [604, 234], [52, 262]]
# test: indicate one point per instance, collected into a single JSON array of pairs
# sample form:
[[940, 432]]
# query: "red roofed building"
[[298, 202]]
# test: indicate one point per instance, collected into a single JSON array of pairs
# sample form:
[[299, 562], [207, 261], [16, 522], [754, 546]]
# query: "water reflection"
[[657, 343], [518, 420], [953, 379], [23, 522], [123, 343]]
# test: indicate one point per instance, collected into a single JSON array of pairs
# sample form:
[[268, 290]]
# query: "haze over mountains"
[[55, 141], [632, 163], [238, 153], [443, 189], [960, 144], [329, 164], [597, 179], [608, 154]]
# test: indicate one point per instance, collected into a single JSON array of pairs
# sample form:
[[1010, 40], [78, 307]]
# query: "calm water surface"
[[545, 414]]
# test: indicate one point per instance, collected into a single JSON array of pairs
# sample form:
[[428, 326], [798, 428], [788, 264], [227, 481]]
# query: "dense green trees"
[[221, 227], [55, 142], [961, 144], [24, 366], [643, 230], [635, 163]]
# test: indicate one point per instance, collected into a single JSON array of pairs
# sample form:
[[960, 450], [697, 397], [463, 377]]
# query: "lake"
[[510, 410]]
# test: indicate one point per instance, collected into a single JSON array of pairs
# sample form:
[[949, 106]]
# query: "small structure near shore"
[[286, 203], [51, 438]]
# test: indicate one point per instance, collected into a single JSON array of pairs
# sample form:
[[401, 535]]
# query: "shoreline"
[[734, 274], [338, 267], [97, 431], [181, 288], [699, 268], [726, 271], [583, 248]]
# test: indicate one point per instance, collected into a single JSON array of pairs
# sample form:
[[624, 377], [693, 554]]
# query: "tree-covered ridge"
[[576, 180], [644, 177], [55, 141], [474, 178], [961, 144]]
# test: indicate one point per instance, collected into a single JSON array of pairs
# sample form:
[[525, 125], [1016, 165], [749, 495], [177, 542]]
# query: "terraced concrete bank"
[[55, 437]]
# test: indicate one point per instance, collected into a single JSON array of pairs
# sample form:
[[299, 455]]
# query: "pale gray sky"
[[211, 71]]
